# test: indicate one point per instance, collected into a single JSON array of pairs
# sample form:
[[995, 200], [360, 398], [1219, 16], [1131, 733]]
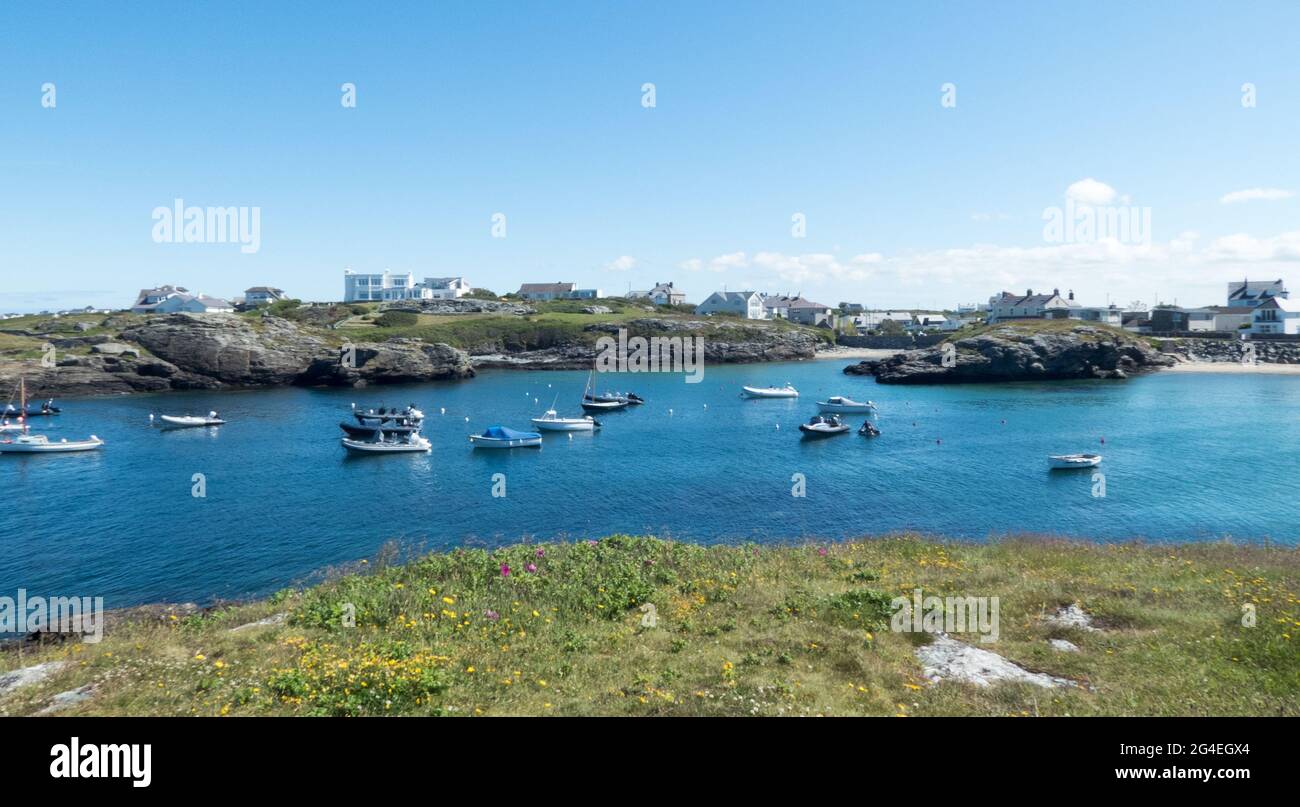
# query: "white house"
[[747, 304], [1106, 315], [1028, 306], [1276, 315], [928, 322], [806, 312], [1252, 293], [871, 320], [661, 294], [367, 287], [445, 288], [171, 299]]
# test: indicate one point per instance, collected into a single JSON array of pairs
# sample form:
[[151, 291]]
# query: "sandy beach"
[[855, 353], [1235, 368]]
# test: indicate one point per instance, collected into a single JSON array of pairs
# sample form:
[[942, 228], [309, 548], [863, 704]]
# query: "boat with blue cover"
[[502, 437]]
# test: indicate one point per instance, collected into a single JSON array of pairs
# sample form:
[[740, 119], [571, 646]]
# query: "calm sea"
[[1187, 457]]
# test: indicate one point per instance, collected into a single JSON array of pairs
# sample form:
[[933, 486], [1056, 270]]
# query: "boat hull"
[[173, 420], [479, 441], [72, 446], [371, 447], [769, 392], [564, 425], [362, 431], [830, 431], [604, 406], [846, 409], [1067, 462]]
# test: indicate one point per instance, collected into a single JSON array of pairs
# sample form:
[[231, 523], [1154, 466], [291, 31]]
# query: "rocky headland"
[[1022, 352]]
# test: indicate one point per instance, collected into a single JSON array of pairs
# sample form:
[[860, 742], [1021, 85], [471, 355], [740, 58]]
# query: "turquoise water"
[[1186, 457]]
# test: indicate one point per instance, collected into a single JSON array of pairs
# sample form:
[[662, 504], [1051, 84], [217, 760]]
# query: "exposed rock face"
[[724, 342], [391, 362], [211, 351], [948, 659], [1014, 354], [26, 676]]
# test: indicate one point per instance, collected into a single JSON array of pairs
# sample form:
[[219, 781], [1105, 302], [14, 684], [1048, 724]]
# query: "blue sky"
[[763, 111]]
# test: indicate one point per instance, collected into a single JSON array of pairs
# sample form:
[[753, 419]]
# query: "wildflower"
[[530, 568], [821, 551], [199, 657], [492, 615], [505, 570], [541, 553], [449, 600]]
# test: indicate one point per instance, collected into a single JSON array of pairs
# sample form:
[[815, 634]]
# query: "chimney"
[[1056, 292], [1071, 295], [1029, 292]]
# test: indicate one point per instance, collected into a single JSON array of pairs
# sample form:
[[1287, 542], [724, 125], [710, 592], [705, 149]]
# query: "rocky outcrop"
[[393, 362], [213, 351], [1017, 353]]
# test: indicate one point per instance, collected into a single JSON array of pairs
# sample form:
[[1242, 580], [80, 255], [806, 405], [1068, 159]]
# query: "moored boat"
[[40, 444], [552, 422], [407, 444], [211, 419], [842, 405], [787, 391], [1066, 461], [869, 430], [502, 437], [823, 426]]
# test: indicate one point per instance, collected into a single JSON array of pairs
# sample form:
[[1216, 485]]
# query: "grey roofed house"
[[546, 291], [1253, 292]]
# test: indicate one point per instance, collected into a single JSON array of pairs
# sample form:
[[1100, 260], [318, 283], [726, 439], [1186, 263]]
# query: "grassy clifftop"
[[639, 626]]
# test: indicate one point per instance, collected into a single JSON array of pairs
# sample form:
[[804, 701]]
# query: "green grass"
[[1030, 327], [739, 630]]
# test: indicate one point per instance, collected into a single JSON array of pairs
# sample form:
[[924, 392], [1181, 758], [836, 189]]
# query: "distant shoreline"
[[1234, 368]]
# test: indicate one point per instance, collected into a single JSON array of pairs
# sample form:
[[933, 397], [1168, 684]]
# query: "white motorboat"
[[6, 426], [840, 404], [411, 443], [40, 444], [552, 422], [787, 391], [821, 426], [1063, 461], [501, 437], [211, 419]]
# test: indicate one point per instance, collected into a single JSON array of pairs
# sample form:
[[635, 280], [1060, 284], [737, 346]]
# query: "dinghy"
[[787, 391], [410, 443], [1064, 461], [821, 426], [501, 437], [552, 422], [842, 405], [212, 419], [40, 444]]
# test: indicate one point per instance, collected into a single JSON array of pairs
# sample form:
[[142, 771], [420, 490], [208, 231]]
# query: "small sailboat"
[[592, 402], [26, 443], [823, 426], [842, 405], [788, 391], [502, 437], [211, 419], [1066, 461]]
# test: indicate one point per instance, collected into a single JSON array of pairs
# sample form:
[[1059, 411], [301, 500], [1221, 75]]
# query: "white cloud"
[[1091, 192], [622, 263], [1185, 268], [1255, 194], [731, 260]]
